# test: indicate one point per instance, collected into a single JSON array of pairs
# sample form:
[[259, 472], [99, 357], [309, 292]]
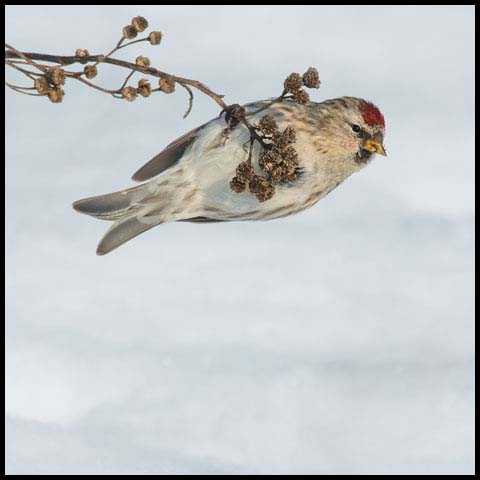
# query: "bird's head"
[[356, 126]]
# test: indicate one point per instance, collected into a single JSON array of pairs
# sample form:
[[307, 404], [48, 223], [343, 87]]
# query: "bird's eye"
[[356, 128]]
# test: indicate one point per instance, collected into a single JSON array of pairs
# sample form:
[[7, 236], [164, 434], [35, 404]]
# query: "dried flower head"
[[155, 38], [280, 160], [143, 62], [233, 115], [245, 172], [301, 97], [237, 186], [81, 52], [41, 85], [289, 135], [289, 154], [293, 83], [311, 78], [266, 161], [56, 94], [90, 71], [167, 84], [56, 76], [129, 93], [267, 125], [144, 87], [129, 32], [283, 172], [139, 23], [261, 188]]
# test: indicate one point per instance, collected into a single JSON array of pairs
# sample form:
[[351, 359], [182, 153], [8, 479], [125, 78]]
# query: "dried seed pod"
[[311, 78], [289, 135], [233, 115], [56, 94], [268, 158], [277, 174], [90, 71], [267, 167], [289, 153], [293, 83], [129, 32], [237, 185], [81, 52], [245, 172], [301, 97], [143, 62], [155, 38], [41, 85], [144, 87], [56, 76], [261, 188], [167, 84], [129, 93], [267, 125], [139, 23]]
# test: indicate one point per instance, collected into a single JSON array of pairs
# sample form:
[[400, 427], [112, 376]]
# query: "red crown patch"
[[372, 115]]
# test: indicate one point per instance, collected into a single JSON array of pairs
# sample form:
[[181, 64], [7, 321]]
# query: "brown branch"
[[154, 72]]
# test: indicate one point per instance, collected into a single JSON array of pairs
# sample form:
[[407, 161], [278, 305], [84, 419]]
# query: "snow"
[[201, 349]]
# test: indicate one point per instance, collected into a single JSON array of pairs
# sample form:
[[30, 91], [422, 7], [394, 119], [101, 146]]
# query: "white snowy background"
[[193, 349]]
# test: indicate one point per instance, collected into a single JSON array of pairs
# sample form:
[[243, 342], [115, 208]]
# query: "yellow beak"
[[374, 146]]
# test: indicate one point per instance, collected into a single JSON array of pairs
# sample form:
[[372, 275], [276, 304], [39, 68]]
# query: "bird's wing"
[[169, 156], [173, 152]]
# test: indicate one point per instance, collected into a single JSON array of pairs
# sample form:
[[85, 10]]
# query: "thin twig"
[[28, 73], [279, 99], [21, 90], [96, 87], [129, 76], [190, 99]]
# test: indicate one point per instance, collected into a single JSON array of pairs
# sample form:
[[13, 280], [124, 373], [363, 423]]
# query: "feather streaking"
[[189, 180]]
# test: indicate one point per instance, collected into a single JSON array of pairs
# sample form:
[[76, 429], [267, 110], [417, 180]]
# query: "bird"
[[189, 180]]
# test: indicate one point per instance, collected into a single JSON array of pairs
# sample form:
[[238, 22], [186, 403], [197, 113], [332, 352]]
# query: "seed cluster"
[[143, 62], [295, 82], [56, 76], [50, 81], [167, 84], [139, 24], [155, 38], [90, 71], [278, 160], [50, 84], [82, 52], [144, 88]]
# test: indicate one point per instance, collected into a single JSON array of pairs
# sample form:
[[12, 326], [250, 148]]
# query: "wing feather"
[[173, 152], [168, 157]]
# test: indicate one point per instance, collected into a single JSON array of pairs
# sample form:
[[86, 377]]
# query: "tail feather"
[[125, 209], [110, 206], [134, 211], [121, 232]]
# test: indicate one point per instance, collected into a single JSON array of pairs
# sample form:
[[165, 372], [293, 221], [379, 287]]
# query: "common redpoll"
[[190, 179]]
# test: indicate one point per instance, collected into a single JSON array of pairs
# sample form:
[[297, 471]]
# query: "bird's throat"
[[363, 156]]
